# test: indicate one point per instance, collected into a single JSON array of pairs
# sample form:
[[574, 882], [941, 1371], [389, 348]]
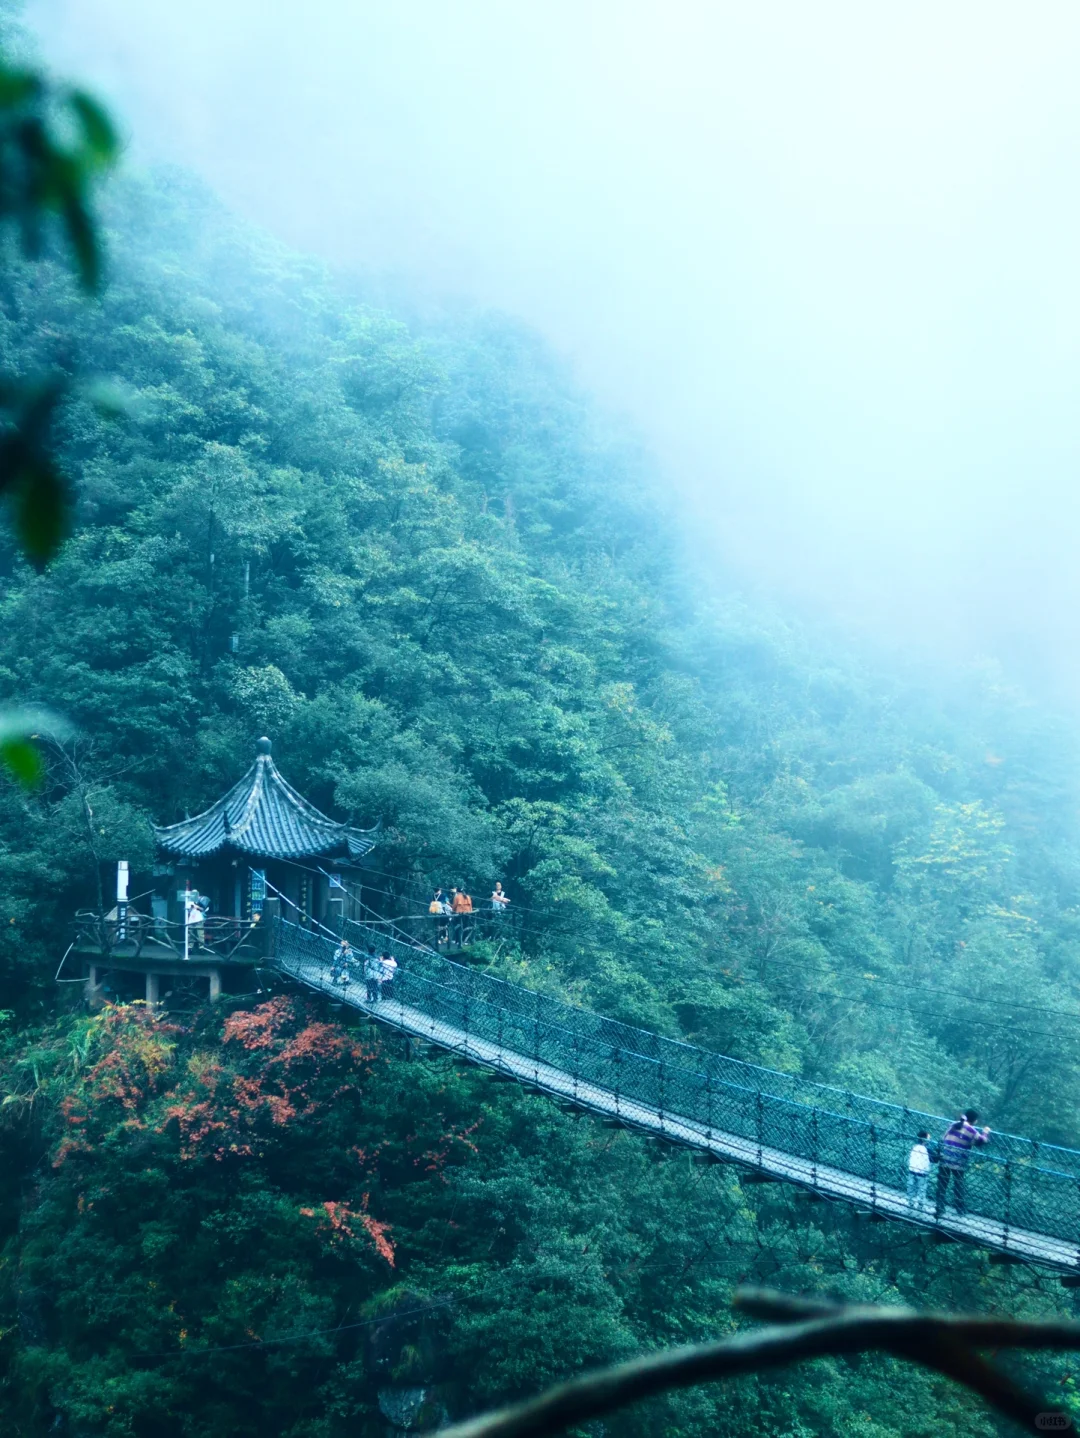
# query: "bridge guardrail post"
[[709, 1101], [660, 1094], [536, 1039], [760, 1117], [816, 1145], [271, 918], [1008, 1201], [911, 1127], [616, 1059], [873, 1165]]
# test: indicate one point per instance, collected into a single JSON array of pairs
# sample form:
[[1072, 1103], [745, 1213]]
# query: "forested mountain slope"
[[412, 557]]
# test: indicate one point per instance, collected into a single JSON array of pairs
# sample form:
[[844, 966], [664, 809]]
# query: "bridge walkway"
[[307, 957]]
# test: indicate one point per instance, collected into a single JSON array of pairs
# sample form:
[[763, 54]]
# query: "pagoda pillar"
[[271, 912]]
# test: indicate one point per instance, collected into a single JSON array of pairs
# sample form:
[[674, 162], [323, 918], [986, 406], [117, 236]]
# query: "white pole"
[[187, 918], [121, 898]]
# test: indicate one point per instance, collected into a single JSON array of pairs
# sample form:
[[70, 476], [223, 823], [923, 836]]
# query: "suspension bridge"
[[1022, 1197]]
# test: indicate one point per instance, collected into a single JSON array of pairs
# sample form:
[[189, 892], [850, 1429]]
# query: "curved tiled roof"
[[264, 815]]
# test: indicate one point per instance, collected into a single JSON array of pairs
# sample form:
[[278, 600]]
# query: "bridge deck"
[[829, 1181]]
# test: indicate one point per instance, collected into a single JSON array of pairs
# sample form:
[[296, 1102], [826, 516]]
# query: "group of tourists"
[[379, 970], [454, 914], [951, 1154]]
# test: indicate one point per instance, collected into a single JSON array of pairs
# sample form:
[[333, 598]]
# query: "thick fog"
[[825, 257]]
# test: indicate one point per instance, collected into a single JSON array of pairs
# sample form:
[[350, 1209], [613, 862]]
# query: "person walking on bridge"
[[339, 964], [956, 1145], [372, 975]]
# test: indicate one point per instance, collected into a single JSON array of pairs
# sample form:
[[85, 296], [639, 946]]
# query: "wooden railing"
[[142, 936]]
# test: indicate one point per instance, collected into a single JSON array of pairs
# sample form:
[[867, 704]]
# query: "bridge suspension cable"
[[542, 920]]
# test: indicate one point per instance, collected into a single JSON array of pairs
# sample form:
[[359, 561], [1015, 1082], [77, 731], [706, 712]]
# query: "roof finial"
[[263, 746]]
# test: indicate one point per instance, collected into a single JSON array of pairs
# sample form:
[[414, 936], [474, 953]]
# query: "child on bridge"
[[919, 1160]]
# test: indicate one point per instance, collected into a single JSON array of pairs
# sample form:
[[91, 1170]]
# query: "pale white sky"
[[826, 257]]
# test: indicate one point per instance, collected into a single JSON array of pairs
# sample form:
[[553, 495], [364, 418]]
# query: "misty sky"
[[825, 257]]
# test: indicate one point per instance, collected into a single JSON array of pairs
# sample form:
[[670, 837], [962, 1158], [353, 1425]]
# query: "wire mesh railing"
[[845, 1144]]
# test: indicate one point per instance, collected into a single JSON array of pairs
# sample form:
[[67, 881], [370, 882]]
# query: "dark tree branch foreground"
[[800, 1329]]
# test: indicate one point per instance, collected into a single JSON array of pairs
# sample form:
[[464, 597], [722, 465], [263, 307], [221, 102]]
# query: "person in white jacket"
[[388, 967], [918, 1176]]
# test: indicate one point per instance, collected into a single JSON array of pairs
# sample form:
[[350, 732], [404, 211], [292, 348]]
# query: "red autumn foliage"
[[137, 1051], [339, 1225], [285, 1070], [433, 1160], [259, 1028], [223, 1109], [275, 1067]]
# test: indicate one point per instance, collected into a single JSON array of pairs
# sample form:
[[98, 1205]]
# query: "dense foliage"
[[408, 552]]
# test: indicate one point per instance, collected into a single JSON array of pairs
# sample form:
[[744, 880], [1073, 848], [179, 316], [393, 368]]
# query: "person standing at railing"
[[388, 967], [461, 905], [499, 901], [440, 910], [194, 919], [448, 913], [918, 1177], [956, 1145]]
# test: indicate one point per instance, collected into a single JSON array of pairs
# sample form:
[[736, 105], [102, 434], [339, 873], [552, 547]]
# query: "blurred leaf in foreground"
[[29, 474], [20, 731], [55, 142]]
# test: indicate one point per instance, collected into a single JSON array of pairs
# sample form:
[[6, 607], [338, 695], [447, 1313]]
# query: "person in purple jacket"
[[954, 1151]]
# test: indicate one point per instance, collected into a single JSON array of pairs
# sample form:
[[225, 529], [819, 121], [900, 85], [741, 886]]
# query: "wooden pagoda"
[[259, 849]]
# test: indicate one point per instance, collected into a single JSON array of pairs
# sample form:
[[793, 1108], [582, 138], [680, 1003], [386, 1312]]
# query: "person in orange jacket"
[[461, 904]]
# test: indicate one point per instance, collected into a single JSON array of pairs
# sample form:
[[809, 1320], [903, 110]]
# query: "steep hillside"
[[414, 558]]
